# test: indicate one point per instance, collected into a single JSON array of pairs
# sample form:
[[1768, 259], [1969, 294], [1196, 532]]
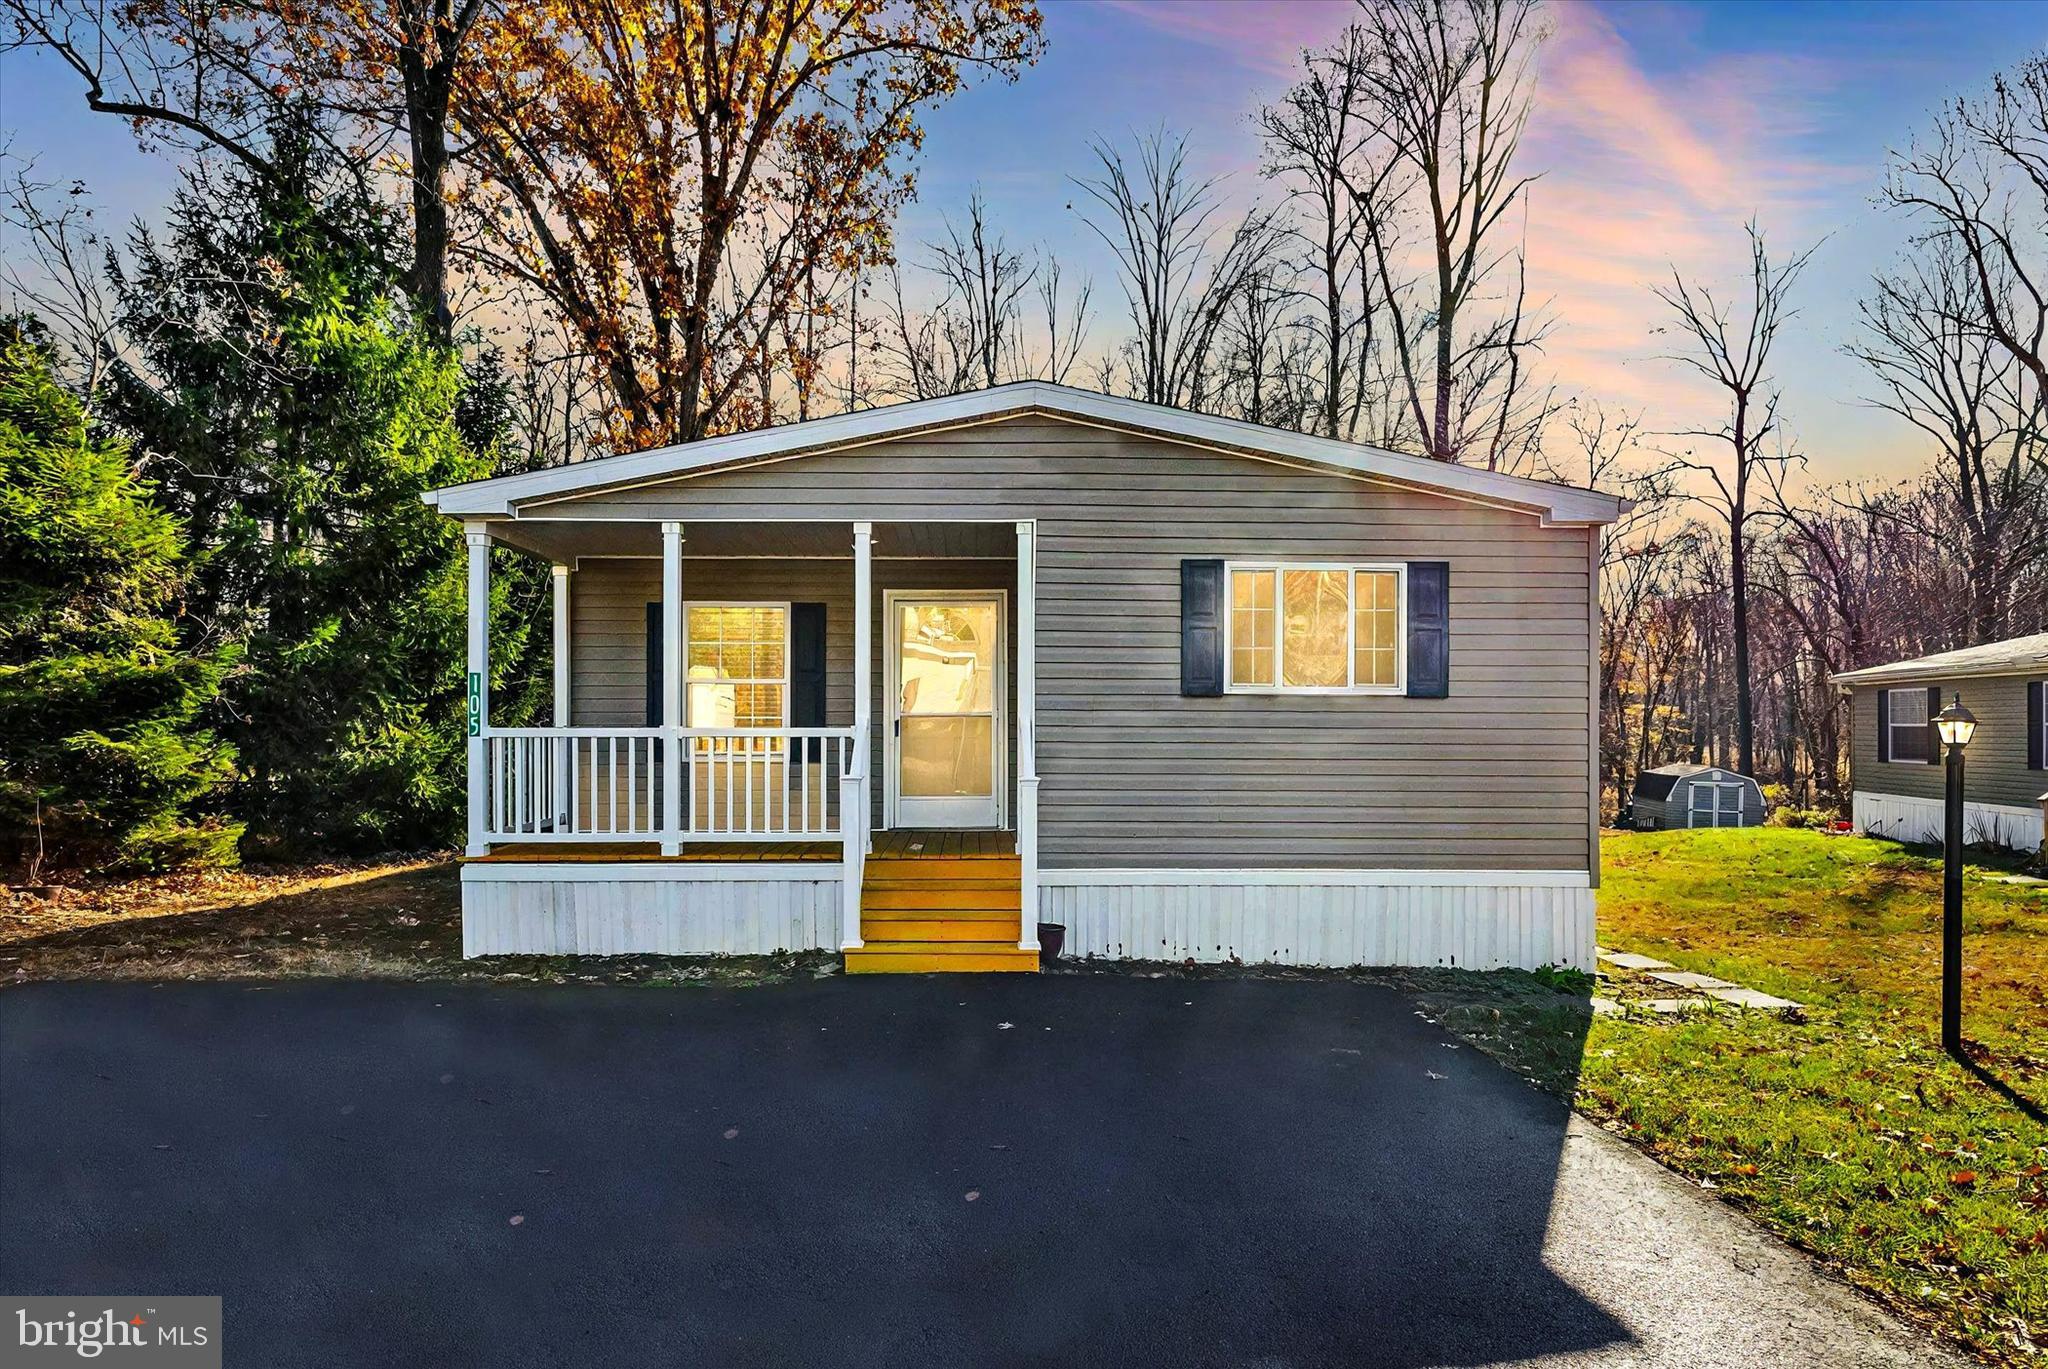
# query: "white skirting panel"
[[1903, 818], [649, 908], [1462, 920]]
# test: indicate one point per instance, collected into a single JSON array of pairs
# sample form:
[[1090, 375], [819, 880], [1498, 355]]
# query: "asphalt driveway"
[[888, 1171]]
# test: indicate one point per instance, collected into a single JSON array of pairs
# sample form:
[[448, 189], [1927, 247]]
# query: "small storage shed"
[[1695, 796]]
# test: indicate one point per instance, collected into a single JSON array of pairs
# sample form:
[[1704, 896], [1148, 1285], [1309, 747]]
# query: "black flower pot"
[[1052, 939]]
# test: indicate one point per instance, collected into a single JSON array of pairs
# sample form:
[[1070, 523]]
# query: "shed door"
[[1729, 812], [1714, 803]]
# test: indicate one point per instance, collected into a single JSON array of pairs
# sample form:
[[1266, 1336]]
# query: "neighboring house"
[[936, 673], [1895, 771], [1685, 795]]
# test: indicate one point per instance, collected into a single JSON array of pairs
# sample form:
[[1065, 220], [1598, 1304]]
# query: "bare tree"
[[1734, 353], [974, 334], [1980, 178], [58, 271], [1451, 88], [1179, 268], [1321, 143], [1942, 369]]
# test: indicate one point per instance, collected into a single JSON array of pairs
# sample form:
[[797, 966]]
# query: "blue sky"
[[1660, 128]]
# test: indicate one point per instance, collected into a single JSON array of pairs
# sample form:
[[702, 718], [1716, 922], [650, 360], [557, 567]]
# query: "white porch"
[[756, 819]]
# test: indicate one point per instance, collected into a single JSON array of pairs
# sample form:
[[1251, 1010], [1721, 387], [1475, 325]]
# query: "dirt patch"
[[394, 919]]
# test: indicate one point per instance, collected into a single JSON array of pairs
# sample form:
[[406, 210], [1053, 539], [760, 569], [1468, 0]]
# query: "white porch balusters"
[[854, 824], [562, 751], [479, 685], [1027, 732], [674, 762]]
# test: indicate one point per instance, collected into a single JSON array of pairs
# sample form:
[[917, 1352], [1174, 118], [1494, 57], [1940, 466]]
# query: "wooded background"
[[423, 241]]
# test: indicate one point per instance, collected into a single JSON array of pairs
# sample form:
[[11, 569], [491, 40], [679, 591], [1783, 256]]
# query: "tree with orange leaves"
[[672, 176]]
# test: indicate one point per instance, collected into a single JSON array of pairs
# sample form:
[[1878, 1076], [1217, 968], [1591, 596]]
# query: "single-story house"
[[1896, 777], [1693, 795], [910, 681]]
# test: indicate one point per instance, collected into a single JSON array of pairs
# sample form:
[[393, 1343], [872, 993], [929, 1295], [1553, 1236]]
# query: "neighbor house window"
[[737, 665], [1314, 628], [1906, 718]]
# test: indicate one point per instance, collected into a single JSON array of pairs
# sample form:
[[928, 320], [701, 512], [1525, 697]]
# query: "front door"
[[946, 686]]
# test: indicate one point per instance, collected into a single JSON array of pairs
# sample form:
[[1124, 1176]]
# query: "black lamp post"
[[1956, 725]]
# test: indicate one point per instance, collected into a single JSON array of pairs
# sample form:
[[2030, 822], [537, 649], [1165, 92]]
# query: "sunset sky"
[[1660, 127]]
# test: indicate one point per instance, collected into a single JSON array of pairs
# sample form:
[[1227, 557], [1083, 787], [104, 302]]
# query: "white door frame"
[[892, 664]]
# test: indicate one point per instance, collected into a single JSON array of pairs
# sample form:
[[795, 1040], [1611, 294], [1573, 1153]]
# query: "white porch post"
[[674, 762], [561, 646], [864, 659], [559, 759], [854, 824], [1027, 731], [479, 703]]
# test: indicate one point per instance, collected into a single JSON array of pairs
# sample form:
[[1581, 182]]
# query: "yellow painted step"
[[938, 928], [940, 957], [943, 872], [1002, 896]]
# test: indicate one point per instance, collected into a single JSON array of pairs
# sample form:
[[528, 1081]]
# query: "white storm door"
[[945, 683]]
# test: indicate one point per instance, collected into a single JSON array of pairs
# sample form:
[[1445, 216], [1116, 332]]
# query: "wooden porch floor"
[[906, 844]]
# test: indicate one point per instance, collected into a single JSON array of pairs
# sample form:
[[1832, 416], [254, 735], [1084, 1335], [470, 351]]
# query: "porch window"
[[1314, 628], [737, 665]]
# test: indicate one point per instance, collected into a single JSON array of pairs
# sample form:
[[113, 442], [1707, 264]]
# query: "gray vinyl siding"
[[1995, 768], [608, 628], [1134, 775]]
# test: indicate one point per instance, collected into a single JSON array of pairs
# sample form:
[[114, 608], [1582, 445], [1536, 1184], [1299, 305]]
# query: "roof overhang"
[[502, 497], [1911, 672]]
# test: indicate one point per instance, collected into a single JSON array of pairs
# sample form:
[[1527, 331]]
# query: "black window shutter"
[[2035, 759], [806, 673], [654, 718], [1933, 728], [1884, 724], [1201, 628], [1429, 629]]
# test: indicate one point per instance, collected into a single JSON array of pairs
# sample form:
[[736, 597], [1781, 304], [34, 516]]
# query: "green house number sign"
[[476, 704]]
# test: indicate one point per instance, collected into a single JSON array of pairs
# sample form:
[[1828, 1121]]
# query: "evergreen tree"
[[104, 758], [296, 414]]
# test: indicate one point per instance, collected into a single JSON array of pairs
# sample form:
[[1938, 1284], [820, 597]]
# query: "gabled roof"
[[2013, 656], [500, 497], [1659, 782]]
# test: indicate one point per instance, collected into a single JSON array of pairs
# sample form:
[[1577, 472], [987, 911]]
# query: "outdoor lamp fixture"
[[1956, 725]]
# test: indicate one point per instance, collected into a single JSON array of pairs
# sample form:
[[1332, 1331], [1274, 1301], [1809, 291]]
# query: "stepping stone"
[[1604, 1007], [1686, 979], [1629, 960], [1675, 1007], [2021, 879], [1751, 998]]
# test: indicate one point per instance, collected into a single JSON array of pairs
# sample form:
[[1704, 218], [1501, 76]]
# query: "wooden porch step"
[[994, 895], [939, 927], [926, 871], [941, 915], [940, 957]]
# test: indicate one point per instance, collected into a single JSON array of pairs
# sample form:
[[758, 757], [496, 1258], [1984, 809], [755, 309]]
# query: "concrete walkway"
[[974, 1170]]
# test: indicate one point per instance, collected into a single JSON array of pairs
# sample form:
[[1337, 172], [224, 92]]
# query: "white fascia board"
[[1555, 505]]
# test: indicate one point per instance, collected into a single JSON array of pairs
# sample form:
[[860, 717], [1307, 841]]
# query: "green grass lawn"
[[1846, 1129]]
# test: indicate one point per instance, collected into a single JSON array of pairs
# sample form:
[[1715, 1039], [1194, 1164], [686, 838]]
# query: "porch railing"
[[591, 784]]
